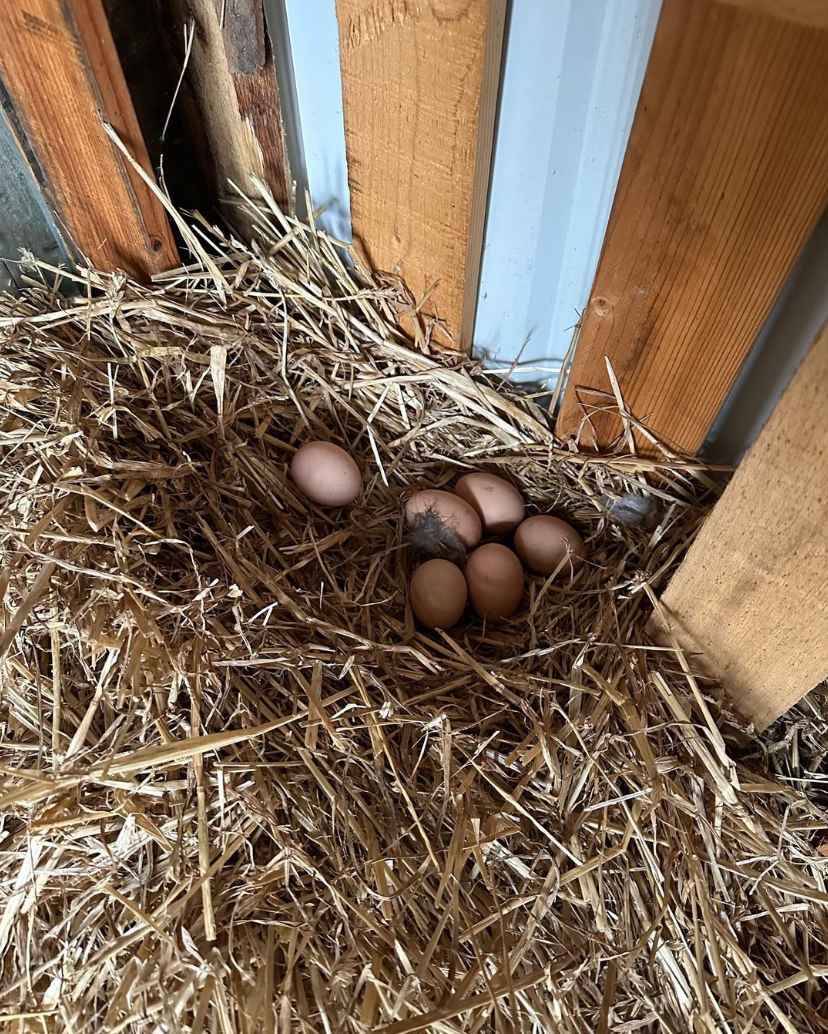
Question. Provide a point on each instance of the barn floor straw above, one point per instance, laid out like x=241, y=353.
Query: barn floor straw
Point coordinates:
x=242, y=792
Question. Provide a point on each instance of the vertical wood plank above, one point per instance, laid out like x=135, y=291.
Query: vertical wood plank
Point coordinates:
x=725, y=175
x=234, y=80
x=752, y=594
x=420, y=85
x=61, y=79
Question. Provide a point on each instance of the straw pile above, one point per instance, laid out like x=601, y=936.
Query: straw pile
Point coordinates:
x=242, y=792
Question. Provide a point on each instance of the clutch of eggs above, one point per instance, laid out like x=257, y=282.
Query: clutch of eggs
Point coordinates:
x=445, y=525
x=448, y=526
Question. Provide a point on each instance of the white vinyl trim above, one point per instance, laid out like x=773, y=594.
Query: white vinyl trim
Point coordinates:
x=572, y=76
x=313, y=34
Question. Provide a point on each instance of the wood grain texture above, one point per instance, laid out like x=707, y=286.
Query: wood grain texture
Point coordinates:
x=61, y=79
x=752, y=593
x=420, y=83
x=806, y=12
x=233, y=77
x=725, y=175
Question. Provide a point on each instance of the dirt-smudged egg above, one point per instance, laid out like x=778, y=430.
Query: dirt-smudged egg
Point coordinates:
x=546, y=544
x=442, y=524
x=498, y=502
x=495, y=578
x=326, y=474
x=438, y=594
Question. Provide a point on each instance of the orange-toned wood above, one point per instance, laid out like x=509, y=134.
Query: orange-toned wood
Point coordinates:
x=419, y=84
x=751, y=595
x=233, y=76
x=725, y=175
x=62, y=78
x=806, y=12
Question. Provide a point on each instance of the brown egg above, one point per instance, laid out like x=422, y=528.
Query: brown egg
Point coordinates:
x=495, y=579
x=453, y=512
x=438, y=594
x=326, y=474
x=544, y=542
x=498, y=502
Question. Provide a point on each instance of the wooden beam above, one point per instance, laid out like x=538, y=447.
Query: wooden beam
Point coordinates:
x=725, y=175
x=61, y=79
x=752, y=593
x=806, y=12
x=233, y=76
x=420, y=85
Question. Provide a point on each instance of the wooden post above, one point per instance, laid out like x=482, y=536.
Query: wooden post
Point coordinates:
x=752, y=593
x=420, y=84
x=725, y=175
x=61, y=80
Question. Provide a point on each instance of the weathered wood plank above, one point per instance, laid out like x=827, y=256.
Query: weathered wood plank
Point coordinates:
x=420, y=85
x=752, y=593
x=233, y=77
x=61, y=79
x=725, y=175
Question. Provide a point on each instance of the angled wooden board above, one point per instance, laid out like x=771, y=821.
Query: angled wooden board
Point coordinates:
x=61, y=80
x=725, y=175
x=420, y=84
x=750, y=599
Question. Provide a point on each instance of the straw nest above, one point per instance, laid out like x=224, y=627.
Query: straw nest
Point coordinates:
x=241, y=791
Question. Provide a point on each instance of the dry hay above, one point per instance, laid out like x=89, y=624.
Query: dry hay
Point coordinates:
x=242, y=792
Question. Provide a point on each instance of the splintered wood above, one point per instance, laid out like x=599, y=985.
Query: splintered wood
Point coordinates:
x=419, y=85
x=751, y=597
x=233, y=74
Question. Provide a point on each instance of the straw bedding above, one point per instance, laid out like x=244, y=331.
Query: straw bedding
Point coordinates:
x=241, y=791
